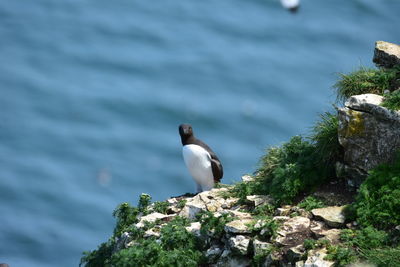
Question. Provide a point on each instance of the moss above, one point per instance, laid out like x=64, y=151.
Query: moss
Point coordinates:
x=356, y=124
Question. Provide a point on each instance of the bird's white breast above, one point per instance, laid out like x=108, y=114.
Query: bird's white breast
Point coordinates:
x=197, y=160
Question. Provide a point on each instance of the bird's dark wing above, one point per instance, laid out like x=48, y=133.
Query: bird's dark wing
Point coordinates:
x=216, y=165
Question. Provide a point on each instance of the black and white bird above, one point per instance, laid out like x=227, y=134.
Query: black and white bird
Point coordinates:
x=202, y=163
x=291, y=5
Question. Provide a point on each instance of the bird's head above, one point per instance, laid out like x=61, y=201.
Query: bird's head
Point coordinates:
x=185, y=131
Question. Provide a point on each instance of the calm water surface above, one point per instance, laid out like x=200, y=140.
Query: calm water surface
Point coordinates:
x=92, y=93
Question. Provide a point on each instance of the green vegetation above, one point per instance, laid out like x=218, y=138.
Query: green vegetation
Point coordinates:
x=378, y=201
x=178, y=247
x=161, y=207
x=365, y=80
x=392, y=100
x=210, y=223
x=310, y=203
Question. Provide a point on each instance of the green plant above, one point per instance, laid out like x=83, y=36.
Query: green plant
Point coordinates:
x=382, y=257
x=378, y=201
x=310, y=203
x=161, y=206
x=264, y=210
x=125, y=215
x=181, y=204
x=310, y=244
x=325, y=137
x=294, y=168
x=363, y=81
x=177, y=247
x=212, y=224
x=97, y=257
x=392, y=101
x=144, y=202
x=342, y=256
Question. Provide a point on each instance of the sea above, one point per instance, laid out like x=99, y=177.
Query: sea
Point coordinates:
x=92, y=93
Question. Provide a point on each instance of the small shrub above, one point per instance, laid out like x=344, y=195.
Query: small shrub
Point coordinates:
x=364, y=81
x=212, y=224
x=378, y=201
x=161, y=206
x=392, y=101
x=125, y=215
x=264, y=210
x=310, y=244
x=292, y=169
x=97, y=257
x=310, y=203
x=181, y=204
x=340, y=255
x=144, y=202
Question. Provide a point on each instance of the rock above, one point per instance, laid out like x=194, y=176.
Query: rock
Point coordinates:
x=239, y=244
x=291, y=231
x=192, y=207
x=299, y=264
x=332, y=235
x=213, y=253
x=317, y=227
x=240, y=215
x=386, y=54
x=284, y=211
x=294, y=254
x=122, y=242
x=194, y=228
x=153, y=232
x=281, y=218
x=152, y=218
x=316, y=259
x=229, y=202
x=238, y=226
x=229, y=260
x=273, y=259
x=369, y=135
x=247, y=178
x=332, y=216
x=261, y=248
x=257, y=200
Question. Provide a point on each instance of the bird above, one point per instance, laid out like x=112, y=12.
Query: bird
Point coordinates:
x=202, y=163
x=291, y=5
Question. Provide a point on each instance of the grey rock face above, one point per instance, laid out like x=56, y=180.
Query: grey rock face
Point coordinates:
x=369, y=134
x=290, y=227
x=238, y=226
x=386, y=54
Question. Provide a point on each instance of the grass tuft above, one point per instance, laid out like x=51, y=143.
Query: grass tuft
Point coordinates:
x=365, y=80
x=392, y=100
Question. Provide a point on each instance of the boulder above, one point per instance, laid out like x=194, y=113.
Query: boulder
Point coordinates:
x=239, y=244
x=152, y=218
x=213, y=253
x=257, y=200
x=291, y=231
x=238, y=226
x=229, y=260
x=261, y=248
x=386, y=54
x=294, y=254
x=192, y=207
x=369, y=134
x=316, y=259
x=194, y=228
x=332, y=216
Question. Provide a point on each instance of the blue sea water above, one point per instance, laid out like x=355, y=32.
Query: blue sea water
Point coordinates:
x=92, y=93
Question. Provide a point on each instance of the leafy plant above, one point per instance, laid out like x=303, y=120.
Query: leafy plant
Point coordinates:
x=342, y=256
x=378, y=201
x=310, y=203
x=212, y=224
x=161, y=206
